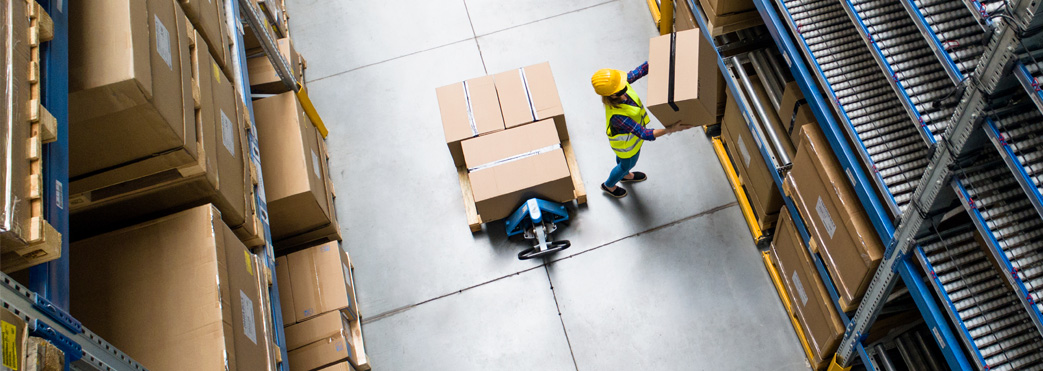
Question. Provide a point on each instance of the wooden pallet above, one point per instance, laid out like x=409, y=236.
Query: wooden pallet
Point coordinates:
x=32, y=239
x=475, y=221
x=358, y=343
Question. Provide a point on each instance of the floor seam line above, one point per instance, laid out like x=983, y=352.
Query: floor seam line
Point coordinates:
x=389, y=313
x=388, y=60
x=546, y=18
x=560, y=317
x=475, y=34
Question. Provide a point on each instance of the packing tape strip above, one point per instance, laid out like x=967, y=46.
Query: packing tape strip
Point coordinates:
x=528, y=94
x=793, y=117
x=516, y=157
x=673, y=63
x=470, y=113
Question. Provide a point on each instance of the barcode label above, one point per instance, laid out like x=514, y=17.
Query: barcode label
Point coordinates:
x=744, y=151
x=247, y=306
x=163, y=43
x=227, y=133
x=823, y=215
x=800, y=289
x=315, y=164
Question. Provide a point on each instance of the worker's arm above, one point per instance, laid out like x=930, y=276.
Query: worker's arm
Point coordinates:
x=623, y=124
x=637, y=73
x=673, y=129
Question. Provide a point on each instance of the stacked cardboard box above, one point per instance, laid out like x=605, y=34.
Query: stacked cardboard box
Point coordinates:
x=812, y=305
x=840, y=229
x=161, y=135
x=208, y=17
x=26, y=238
x=509, y=141
x=725, y=16
x=264, y=79
x=685, y=86
x=319, y=308
x=296, y=174
x=150, y=290
x=794, y=113
x=754, y=174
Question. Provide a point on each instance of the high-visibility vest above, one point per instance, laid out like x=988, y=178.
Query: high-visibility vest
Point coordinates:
x=626, y=145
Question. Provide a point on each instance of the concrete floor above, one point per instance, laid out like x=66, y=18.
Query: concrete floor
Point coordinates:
x=667, y=278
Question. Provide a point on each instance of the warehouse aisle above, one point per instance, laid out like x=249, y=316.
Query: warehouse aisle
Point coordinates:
x=667, y=278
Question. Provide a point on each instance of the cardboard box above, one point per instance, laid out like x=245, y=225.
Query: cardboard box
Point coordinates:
x=321, y=353
x=840, y=229
x=343, y=366
x=267, y=320
x=129, y=101
x=537, y=169
x=722, y=21
x=695, y=85
x=264, y=79
x=529, y=94
x=320, y=279
x=817, y=316
x=207, y=17
x=316, y=329
x=282, y=278
x=14, y=341
x=755, y=173
x=722, y=7
x=469, y=109
x=684, y=18
x=293, y=170
x=794, y=112
x=175, y=286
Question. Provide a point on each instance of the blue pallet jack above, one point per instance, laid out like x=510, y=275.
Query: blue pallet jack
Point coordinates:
x=535, y=220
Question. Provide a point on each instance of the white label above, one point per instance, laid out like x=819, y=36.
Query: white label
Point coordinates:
x=315, y=164
x=163, y=43
x=823, y=215
x=744, y=151
x=247, y=305
x=58, y=194
x=800, y=289
x=227, y=134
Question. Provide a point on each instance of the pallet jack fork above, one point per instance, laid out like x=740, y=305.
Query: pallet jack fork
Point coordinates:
x=535, y=220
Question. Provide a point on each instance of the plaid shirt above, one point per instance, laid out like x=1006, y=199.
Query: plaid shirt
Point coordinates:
x=623, y=124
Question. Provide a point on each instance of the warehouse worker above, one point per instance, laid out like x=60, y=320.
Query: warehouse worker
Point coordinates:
x=626, y=120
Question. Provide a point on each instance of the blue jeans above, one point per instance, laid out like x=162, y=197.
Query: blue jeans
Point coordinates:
x=623, y=167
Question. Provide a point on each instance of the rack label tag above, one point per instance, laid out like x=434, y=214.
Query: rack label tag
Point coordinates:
x=823, y=215
x=247, y=307
x=11, y=356
x=800, y=289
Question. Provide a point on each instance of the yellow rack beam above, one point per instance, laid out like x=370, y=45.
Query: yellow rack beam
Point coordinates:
x=733, y=180
x=309, y=109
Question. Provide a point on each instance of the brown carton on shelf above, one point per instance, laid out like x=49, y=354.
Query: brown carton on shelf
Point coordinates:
x=316, y=329
x=694, y=76
x=293, y=175
x=754, y=172
x=511, y=166
x=725, y=16
x=840, y=229
x=343, y=366
x=266, y=332
x=264, y=79
x=811, y=303
x=130, y=91
x=174, y=286
x=469, y=109
x=320, y=279
x=14, y=338
x=684, y=19
x=529, y=94
x=722, y=7
x=320, y=353
x=794, y=112
x=206, y=17
x=282, y=278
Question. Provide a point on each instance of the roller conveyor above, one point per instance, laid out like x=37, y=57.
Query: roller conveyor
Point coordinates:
x=870, y=109
x=1010, y=226
x=1030, y=74
x=991, y=321
x=1018, y=135
x=952, y=33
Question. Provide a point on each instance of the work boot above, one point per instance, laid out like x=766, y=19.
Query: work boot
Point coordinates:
x=638, y=177
x=618, y=193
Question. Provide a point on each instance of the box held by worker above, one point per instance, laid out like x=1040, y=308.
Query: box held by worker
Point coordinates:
x=469, y=109
x=755, y=173
x=840, y=229
x=794, y=112
x=320, y=281
x=511, y=166
x=134, y=287
x=293, y=173
x=529, y=94
x=682, y=79
x=812, y=305
x=131, y=101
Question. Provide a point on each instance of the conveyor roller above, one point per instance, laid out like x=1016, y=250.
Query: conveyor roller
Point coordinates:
x=994, y=324
x=864, y=95
x=955, y=29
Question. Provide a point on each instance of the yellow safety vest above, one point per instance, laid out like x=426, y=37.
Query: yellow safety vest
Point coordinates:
x=626, y=145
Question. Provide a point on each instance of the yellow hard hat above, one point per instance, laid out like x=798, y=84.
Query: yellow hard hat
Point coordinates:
x=607, y=81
